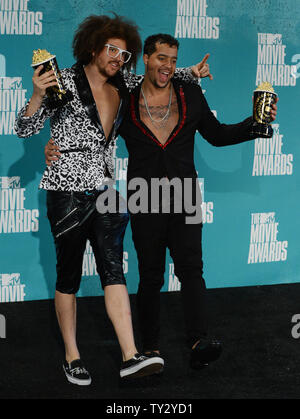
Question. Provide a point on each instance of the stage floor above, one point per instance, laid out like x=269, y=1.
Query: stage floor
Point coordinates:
x=261, y=358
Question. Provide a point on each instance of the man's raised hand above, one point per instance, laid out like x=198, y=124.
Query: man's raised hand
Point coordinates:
x=201, y=69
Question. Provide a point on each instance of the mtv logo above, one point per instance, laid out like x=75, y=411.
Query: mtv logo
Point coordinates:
x=274, y=38
x=270, y=218
x=12, y=83
x=10, y=182
x=9, y=279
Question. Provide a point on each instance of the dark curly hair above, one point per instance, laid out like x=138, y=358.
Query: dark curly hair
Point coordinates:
x=93, y=33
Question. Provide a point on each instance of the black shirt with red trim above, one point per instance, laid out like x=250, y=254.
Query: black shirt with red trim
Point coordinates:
x=148, y=158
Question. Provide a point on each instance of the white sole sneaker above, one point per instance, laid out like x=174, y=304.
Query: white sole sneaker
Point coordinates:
x=147, y=366
x=79, y=382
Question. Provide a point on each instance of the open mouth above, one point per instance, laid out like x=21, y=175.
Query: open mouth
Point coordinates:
x=115, y=65
x=163, y=75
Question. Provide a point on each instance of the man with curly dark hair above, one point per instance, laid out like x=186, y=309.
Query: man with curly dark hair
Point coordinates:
x=85, y=130
x=93, y=33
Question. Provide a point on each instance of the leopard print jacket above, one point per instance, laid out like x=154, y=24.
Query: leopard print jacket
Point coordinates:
x=87, y=156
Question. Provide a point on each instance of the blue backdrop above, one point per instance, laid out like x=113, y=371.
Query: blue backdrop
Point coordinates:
x=250, y=190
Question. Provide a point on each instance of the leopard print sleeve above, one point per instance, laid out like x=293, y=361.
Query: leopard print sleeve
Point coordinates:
x=185, y=74
x=132, y=80
x=26, y=126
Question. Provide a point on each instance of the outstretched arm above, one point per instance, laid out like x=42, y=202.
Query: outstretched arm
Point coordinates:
x=193, y=73
x=219, y=134
x=188, y=74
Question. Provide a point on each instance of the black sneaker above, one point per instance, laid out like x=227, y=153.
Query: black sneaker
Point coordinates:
x=204, y=353
x=141, y=365
x=76, y=373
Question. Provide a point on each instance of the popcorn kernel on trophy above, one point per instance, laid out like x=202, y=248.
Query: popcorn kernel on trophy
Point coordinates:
x=264, y=97
x=57, y=95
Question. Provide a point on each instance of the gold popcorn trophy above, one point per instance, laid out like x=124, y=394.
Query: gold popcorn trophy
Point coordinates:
x=264, y=97
x=57, y=95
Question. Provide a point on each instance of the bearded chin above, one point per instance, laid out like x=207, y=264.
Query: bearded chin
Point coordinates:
x=104, y=72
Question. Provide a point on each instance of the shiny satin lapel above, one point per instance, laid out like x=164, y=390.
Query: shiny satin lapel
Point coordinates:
x=86, y=96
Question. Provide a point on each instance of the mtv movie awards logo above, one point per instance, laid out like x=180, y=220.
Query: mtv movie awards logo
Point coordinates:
x=264, y=245
x=14, y=217
x=12, y=99
x=16, y=19
x=269, y=160
x=271, y=65
x=192, y=20
x=11, y=288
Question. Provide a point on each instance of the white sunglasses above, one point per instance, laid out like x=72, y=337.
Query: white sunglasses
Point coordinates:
x=113, y=52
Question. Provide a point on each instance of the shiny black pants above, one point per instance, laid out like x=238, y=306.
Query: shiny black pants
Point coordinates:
x=74, y=219
x=152, y=234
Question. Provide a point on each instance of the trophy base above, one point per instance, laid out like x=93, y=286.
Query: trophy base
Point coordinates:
x=54, y=101
x=262, y=130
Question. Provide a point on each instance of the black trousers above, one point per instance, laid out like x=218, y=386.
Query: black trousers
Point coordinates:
x=152, y=234
x=74, y=219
